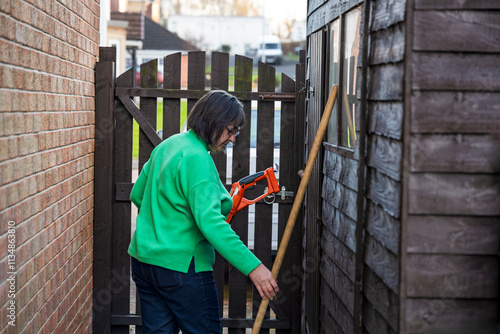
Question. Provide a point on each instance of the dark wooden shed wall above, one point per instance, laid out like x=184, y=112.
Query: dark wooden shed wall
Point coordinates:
x=453, y=162
x=431, y=209
x=382, y=211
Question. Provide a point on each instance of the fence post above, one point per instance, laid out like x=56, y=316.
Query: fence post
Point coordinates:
x=103, y=189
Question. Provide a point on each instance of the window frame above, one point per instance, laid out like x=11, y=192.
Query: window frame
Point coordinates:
x=338, y=147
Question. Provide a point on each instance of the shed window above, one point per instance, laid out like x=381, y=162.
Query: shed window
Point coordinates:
x=343, y=57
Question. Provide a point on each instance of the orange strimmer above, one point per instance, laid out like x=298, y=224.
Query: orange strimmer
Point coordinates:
x=248, y=182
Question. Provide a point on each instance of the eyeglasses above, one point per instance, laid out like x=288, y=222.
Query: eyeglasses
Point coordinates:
x=236, y=131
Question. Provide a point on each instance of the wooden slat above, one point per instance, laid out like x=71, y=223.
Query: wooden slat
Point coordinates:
x=313, y=5
x=335, y=307
x=385, y=156
x=148, y=108
x=340, y=197
x=452, y=276
x=382, y=226
x=385, y=118
x=382, y=262
x=240, y=168
x=312, y=231
x=473, y=31
x=452, y=112
x=453, y=235
x=381, y=298
x=341, y=169
x=342, y=256
x=384, y=191
x=220, y=79
x=388, y=45
x=455, y=71
x=196, y=74
x=220, y=74
x=339, y=283
x=373, y=322
x=391, y=75
x=320, y=15
x=340, y=225
x=103, y=193
x=453, y=4
x=122, y=209
x=454, y=194
x=451, y=316
x=265, y=143
x=289, y=179
x=387, y=13
x=144, y=125
x=455, y=153
x=220, y=71
x=328, y=324
x=171, y=107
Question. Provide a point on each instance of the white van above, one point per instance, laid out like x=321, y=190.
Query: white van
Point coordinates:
x=269, y=50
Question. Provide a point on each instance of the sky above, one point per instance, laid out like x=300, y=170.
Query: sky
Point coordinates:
x=278, y=11
x=283, y=9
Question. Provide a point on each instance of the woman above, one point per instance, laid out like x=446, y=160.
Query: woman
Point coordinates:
x=183, y=207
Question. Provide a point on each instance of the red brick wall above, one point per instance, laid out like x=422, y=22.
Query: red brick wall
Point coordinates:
x=48, y=51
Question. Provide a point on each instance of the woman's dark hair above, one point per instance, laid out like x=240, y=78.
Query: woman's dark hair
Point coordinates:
x=213, y=112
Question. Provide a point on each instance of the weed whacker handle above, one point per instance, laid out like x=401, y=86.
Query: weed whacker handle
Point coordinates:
x=238, y=190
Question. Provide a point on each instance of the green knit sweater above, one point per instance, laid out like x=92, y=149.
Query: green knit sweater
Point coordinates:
x=183, y=207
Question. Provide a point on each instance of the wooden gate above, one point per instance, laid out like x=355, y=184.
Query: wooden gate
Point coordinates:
x=119, y=157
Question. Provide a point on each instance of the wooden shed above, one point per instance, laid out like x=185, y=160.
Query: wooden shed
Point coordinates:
x=402, y=213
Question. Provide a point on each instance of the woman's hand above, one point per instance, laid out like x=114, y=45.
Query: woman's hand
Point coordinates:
x=264, y=282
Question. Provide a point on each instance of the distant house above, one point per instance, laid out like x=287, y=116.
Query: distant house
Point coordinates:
x=147, y=40
x=240, y=33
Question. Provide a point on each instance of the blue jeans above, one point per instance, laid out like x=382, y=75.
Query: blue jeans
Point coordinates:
x=171, y=300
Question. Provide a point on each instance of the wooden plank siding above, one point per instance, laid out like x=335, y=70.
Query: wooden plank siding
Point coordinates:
x=424, y=186
x=451, y=223
x=384, y=162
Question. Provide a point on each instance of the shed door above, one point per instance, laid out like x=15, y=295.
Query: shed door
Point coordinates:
x=312, y=258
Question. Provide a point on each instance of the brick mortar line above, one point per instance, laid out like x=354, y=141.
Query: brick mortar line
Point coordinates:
x=81, y=220
x=76, y=299
x=53, y=259
x=52, y=168
x=46, y=113
x=74, y=285
x=61, y=302
x=49, y=150
x=63, y=5
x=85, y=322
x=67, y=180
x=31, y=197
x=85, y=202
x=76, y=62
x=41, y=52
x=57, y=219
x=53, y=75
x=75, y=11
x=43, y=132
x=49, y=16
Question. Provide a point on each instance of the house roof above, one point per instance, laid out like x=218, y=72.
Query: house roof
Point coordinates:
x=158, y=37
x=153, y=35
x=135, y=29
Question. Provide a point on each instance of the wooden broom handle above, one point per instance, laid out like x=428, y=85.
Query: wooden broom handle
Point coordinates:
x=297, y=203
